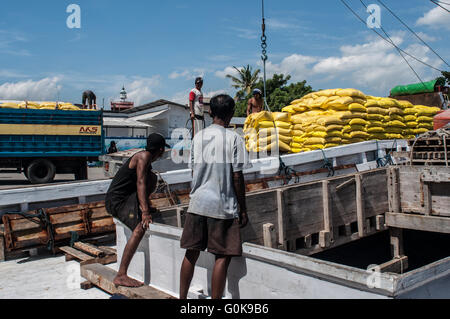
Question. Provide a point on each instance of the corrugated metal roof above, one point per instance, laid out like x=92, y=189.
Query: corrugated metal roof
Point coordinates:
x=121, y=122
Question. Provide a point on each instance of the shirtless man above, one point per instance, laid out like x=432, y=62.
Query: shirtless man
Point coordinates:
x=255, y=104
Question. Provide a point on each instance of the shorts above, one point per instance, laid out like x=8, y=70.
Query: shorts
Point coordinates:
x=127, y=211
x=220, y=236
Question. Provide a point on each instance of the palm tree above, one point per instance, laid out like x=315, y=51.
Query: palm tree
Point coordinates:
x=245, y=80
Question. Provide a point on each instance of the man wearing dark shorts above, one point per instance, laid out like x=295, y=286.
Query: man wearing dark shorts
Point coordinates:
x=217, y=207
x=127, y=199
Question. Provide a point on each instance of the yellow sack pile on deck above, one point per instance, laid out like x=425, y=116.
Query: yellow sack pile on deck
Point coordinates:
x=265, y=131
x=40, y=105
x=336, y=117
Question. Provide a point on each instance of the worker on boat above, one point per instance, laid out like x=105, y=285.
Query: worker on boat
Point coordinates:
x=217, y=208
x=256, y=103
x=196, y=107
x=128, y=199
x=90, y=97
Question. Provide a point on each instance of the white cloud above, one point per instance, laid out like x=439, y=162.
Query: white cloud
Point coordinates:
x=245, y=33
x=296, y=65
x=45, y=89
x=187, y=74
x=8, y=41
x=140, y=91
x=228, y=70
x=436, y=18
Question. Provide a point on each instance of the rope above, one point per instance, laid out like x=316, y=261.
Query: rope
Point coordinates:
x=328, y=165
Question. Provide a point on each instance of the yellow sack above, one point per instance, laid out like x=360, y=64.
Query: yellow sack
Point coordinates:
x=330, y=120
x=297, y=132
x=349, y=128
x=357, y=140
x=334, y=127
x=375, y=129
x=422, y=118
x=397, y=117
x=343, y=100
x=296, y=150
x=285, y=139
x=377, y=136
x=395, y=110
x=394, y=136
x=377, y=110
x=328, y=145
x=375, y=117
x=299, y=108
x=376, y=124
x=359, y=134
x=333, y=139
x=314, y=140
x=351, y=92
x=334, y=133
x=316, y=147
x=393, y=130
x=425, y=125
x=358, y=122
x=298, y=139
x=405, y=104
x=426, y=110
x=264, y=124
x=283, y=131
x=410, y=111
x=298, y=118
x=317, y=134
x=283, y=147
x=371, y=103
x=396, y=123
x=412, y=124
x=353, y=115
x=356, y=107
x=315, y=127
x=327, y=93
x=281, y=124
x=420, y=130
x=288, y=109
x=281, y=116
x=300, y=127
x=410, y=118
x=408, y=137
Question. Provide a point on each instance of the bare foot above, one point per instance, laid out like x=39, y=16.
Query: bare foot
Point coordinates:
x=124, y=280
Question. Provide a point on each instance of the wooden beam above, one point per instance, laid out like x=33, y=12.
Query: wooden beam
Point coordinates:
x=395, y=190
x=180, y=211
x=426, y=193
x=397, y=265
x=346, y=183
x=380, y=222
x=103, y=277
x=269, y=235
x=419, y=222
x=282, y=241
x=396, y=235
x=326, y=235
x=2, y=248
x=360, y=211
x=90, y=249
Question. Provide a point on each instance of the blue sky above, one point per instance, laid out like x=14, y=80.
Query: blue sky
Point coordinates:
x=157, y=48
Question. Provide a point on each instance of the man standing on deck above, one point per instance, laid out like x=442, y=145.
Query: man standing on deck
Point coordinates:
x=127, y=199
x=217, y=208
x=196, y=107
x=91, y=99
x=256, y=103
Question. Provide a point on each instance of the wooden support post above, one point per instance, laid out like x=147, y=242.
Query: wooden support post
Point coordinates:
x=269, y=235
x=326, y=235
x=379, y=222
x=360, y=213
x=180, y=211
x=2, y=248
x=396, y=242
x=395, y=199
x=427, y=203
x=282, y=242
x=307, y=241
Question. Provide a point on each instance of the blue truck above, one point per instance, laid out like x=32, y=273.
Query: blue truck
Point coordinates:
x=42, y=143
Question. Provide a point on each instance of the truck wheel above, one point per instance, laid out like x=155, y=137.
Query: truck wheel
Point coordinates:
x=40, y=171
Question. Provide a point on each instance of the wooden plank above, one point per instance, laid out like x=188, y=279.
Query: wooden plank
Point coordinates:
x=108, y=250
x=269, y=235
x=396, y=238
x=419, y=222
x=109, y=259
x=76, y=253
x=348, y=182
x=360, y=211
x=326, y=235
x=397, y=265
x=103, y=277
x=395, y=190
x=281, y=220
x=90, y=249
x=180, y=211
x=380, y=222
x=2, y=248
x=426, y=193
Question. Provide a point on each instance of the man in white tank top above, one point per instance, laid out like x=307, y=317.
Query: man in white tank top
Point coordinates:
x=196, y=107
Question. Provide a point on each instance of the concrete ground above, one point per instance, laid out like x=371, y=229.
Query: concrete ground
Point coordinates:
x=14, y=180
x=44, y=277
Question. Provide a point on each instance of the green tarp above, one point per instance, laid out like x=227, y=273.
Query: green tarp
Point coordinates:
x=416, y=88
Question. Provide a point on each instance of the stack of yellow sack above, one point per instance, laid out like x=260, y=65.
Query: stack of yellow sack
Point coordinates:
x=40, y=105
x=10, y=105
x=410, y=119
x=424, y=115
x=265, y=131
x=376, y=118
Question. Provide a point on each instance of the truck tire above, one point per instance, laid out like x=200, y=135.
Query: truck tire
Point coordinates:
x=40, y=171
